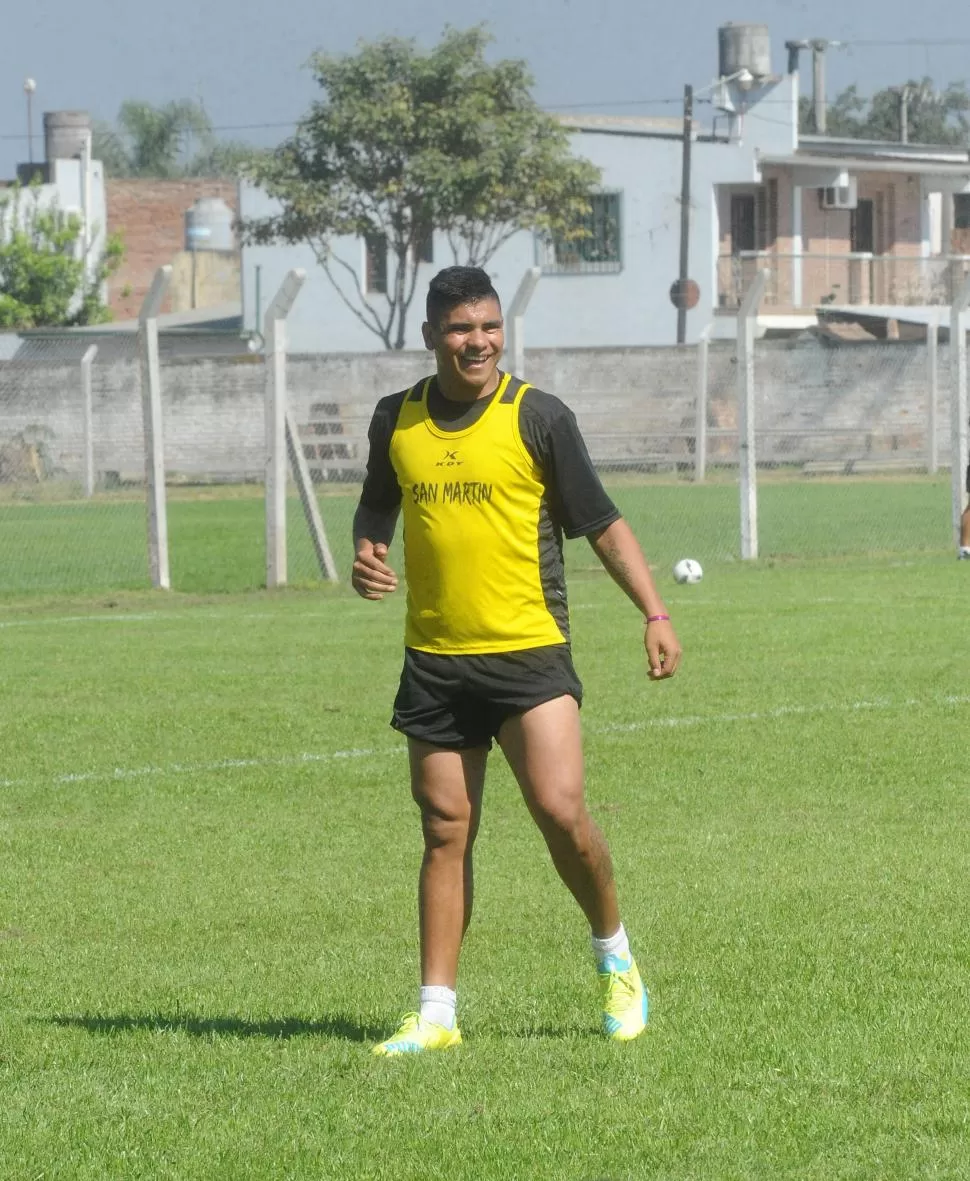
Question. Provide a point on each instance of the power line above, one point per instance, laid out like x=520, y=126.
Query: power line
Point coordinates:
x=918, y=44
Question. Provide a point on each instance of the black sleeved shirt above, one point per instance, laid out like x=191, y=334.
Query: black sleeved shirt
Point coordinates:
x=576, y=500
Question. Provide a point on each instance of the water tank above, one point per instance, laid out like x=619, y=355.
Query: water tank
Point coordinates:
x=209, y=225
x=744, y=47
x=65, y=134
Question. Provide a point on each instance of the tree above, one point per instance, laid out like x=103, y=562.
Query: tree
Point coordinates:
x=932, y=116
x=168, y=141
x=45, y=280
x=405, y=141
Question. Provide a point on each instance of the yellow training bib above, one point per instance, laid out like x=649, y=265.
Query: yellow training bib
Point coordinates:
x=471, y=503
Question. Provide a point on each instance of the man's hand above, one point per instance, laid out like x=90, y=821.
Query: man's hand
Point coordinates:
x=371, y=578
x=663, y=649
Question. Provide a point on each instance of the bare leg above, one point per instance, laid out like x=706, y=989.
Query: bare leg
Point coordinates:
x=544, y=749
x=447, y=787
x=965, y=527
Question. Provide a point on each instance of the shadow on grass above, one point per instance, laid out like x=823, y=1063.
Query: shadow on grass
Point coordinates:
x=335, y=1027
x=338, y=1027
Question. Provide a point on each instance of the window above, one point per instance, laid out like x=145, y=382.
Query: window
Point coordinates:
x=961, y=211
x=375, y=264
x=862, y=227
x=599, y=252
x=754, y=219
x=744, y=222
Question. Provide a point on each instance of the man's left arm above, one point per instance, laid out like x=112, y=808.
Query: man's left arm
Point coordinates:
x=623, y=559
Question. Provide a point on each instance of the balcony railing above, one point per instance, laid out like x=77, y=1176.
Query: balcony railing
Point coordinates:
x=807, y=281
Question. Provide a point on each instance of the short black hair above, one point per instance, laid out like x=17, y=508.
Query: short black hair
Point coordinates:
x=457, y=285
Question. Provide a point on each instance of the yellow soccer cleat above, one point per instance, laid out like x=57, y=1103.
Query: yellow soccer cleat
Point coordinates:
x=624, y=998
x=415, y=1036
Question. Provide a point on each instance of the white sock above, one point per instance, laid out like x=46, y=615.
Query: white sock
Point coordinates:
x=965, y=551
x=616, y=944
x=438, y=1005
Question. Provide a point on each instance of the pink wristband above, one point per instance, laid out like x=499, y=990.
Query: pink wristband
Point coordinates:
x=658, y=619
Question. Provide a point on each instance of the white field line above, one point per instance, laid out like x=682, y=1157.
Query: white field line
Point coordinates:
x=191, y=614
x=783, y=711
x=123, y=774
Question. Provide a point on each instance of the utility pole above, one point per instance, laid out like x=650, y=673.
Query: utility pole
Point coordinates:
x=685, y=214
x=29, y=87
x=818, y=86
x=905, y=93
x=818, y=46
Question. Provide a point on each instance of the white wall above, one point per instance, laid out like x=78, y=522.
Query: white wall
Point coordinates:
x=630, y=308
x=66, y=190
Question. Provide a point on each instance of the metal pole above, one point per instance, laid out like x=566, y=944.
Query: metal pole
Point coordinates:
x=700, y=425
x=818, y=86
x=958, y=401
x=515, y=320
x=747, y=318
x=29, y=90
x=87, y=362
x=151, y=400
x=683, y=273
x=932, y=418
x=275, y=335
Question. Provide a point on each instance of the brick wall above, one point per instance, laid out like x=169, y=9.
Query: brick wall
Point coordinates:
x=150, y=216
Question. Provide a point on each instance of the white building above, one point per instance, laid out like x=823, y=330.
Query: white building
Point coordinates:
x=838, y=224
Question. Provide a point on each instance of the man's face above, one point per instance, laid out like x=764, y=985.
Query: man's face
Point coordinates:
x=467, y=343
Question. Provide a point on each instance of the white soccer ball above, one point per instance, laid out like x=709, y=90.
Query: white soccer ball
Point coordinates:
x=687, y=570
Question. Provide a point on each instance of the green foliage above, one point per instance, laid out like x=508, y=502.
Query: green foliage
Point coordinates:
x=933, y=117
x=406, y=140
x=45, y=279
x=169, y=141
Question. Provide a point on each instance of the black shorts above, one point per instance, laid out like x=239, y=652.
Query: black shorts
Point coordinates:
x=461, y=701
x=968, y=479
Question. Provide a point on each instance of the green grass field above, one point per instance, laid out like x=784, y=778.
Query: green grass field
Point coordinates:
x=216, y=535
x=209, y=852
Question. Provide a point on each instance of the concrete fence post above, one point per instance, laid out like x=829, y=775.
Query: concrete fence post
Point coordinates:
x=274, y=333
x=87, y=361
x=700, y=420
x=958, y=402
x=515, y=321
x=151, y=401
x=747, y=458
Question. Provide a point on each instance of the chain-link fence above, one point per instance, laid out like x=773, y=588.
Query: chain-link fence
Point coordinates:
x=851, y=441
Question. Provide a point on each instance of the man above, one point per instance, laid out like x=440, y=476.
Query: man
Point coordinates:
x=490, y=473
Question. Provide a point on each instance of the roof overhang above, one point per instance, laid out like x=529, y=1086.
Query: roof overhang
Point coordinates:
x=814, y=167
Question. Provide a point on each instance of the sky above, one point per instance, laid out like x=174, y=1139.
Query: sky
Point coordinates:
x=246, y=61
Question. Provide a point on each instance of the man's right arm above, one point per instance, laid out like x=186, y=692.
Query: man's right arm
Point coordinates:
x=371, y=577
x=377, y=512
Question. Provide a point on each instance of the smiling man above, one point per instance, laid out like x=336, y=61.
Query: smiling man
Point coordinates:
x=490, y=474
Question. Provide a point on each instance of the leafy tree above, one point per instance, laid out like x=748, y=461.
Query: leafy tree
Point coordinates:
x=168, y=141
x=45, y=281
x=933, y=117
x=406, y=140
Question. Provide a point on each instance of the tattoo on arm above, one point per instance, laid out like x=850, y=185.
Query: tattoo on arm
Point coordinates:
x=616, y=565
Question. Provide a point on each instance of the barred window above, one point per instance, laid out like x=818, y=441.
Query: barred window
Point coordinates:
x=598, y=252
